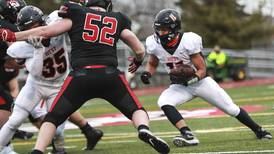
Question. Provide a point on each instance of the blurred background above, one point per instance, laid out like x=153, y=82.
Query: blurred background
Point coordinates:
x=243, y=29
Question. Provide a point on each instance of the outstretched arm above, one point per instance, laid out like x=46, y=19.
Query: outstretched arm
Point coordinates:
x=152, y=64
x=54, y=29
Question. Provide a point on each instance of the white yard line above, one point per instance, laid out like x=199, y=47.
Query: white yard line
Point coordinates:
x=232, y=152
x=109, y=137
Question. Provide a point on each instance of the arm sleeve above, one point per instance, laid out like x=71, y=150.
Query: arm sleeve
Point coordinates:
x=150, y=45
x=35, y=64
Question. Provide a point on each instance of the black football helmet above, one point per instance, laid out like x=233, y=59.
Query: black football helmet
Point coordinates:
x=167, y=19
x=10, y=8
x=106, y=4
x=28, y=16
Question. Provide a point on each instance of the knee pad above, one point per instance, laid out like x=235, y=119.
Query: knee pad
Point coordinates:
x=172, y=114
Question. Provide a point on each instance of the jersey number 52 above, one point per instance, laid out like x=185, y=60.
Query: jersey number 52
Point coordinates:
x=104, y=34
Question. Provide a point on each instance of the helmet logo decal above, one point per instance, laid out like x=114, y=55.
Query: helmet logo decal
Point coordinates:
x=13, y=3
x=172, y=17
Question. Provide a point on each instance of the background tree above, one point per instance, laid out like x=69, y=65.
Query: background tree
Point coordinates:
x=225, y=23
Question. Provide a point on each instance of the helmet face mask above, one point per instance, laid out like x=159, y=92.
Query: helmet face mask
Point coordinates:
x=167, y=25
x=10, y=8
x=30, y=17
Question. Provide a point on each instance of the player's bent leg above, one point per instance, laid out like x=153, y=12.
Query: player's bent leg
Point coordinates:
x=245, y=119
x=92, y=135
x=58, y=141
x=140, y=120
x=186, y=138
x=15, y=120
x=46, y=133
x=219, y=98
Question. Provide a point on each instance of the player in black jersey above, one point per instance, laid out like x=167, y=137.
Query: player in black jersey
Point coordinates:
x=94, y=31
x=8, y=14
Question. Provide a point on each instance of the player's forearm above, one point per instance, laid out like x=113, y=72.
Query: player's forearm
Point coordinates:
x=39, y=31
x=201, y=73
x=151, y=69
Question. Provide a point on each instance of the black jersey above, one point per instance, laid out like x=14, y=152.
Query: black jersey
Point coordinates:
x=5, y=75
x=94, y=35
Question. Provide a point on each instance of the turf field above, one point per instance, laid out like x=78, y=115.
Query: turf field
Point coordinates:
x=221, y=134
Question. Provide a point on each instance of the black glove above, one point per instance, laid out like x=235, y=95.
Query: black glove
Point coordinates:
x=145, y=76
x=134, y=65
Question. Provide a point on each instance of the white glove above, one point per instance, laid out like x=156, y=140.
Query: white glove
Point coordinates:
x=36, y=41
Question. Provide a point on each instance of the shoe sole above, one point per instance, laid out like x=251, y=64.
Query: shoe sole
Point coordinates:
x=180, y=142
x=158, y=144
x=269, y=137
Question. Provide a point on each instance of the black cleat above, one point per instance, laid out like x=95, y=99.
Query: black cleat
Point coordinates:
x=23, y=135
x=186, y=139
x=92, y=138
x=158, y=144
x=263, y=134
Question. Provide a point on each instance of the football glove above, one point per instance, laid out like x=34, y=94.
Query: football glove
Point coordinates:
x=134, y=65
x=7, y=35
x=35, y=41
x=145, y=76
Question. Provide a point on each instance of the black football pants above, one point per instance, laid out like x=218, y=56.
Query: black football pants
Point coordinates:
x=84, y=84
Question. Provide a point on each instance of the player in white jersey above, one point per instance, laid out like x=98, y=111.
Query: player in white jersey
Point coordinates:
x=47, y=67
x=181, y=55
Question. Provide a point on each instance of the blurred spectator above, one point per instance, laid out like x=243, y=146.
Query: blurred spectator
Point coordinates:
x=217, y=57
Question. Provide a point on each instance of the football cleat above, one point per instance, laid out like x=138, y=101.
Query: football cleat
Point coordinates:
x=187, y=139
x=23, y=135
x=92, y=138
x=7, y=150
x=158, y=144
x=263, y=134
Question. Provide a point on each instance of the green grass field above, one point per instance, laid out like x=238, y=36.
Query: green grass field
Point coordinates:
x=220, y=134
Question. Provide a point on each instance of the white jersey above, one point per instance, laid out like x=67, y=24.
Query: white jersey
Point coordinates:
x=191, y=43
x=47, y=67
x=176, y=94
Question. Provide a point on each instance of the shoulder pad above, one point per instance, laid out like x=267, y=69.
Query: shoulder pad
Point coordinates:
x=52, y=17
x=151, y=44
x=192, y=41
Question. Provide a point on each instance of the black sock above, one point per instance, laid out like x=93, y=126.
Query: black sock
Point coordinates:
x=87, y=128
x=184, y=129
x=245, y=119
x=142, y=127
x=36, y=152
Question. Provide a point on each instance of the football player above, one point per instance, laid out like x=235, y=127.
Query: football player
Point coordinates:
x=47, y=67
x=181, y=55
x=94, y=31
